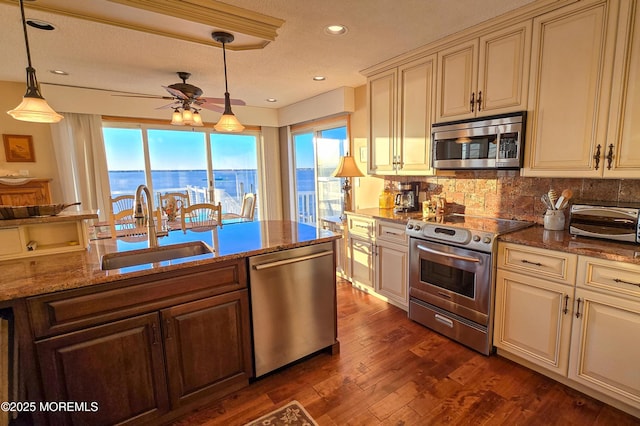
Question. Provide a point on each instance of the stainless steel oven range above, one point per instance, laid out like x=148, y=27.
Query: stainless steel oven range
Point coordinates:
x=451, y=275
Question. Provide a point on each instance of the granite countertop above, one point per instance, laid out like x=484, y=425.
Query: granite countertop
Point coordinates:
x=50, y=273
x=61, y=217
x=537, y=236
x=388, y=214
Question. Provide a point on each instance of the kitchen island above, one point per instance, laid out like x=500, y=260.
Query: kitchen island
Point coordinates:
x=150, y=342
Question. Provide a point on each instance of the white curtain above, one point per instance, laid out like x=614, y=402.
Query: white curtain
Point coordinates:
x=82, y=163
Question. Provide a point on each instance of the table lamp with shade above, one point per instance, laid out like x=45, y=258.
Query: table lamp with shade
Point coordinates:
x=347, y=168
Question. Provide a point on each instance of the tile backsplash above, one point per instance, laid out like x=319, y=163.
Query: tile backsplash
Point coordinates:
x=506, y=194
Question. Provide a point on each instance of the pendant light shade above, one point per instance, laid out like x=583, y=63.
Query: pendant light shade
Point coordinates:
x=33, y=107
x=228, y=123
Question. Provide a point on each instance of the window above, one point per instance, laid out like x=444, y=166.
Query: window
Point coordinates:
x=317, y=153
x=210, y=166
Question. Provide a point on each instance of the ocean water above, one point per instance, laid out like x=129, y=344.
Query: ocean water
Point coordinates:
x=233, y=182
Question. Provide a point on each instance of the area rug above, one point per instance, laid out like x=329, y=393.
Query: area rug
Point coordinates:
x=292, y=414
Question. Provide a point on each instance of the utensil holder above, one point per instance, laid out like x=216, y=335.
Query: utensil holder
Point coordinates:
x=554, y=220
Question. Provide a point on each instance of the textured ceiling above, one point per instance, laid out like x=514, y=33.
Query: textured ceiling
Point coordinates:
x=103, y=56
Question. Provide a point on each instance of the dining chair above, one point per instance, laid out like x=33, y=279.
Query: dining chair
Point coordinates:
x=201, y=217
x=247, y=211
x=172, y=203
x=121, y=220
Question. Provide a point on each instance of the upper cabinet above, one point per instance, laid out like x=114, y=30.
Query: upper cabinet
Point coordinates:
x=401, y=106
x=486, y=75
x=584, y=88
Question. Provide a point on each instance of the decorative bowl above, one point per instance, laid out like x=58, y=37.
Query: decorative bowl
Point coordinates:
x=21, y=212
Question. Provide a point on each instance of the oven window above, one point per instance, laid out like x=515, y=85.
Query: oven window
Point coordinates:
x=467, y=148
x=447, y=277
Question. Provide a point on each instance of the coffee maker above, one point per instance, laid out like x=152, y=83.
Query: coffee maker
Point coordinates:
x=406, y=199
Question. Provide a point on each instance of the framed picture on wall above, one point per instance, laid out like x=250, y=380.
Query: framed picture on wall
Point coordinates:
x=19, y=148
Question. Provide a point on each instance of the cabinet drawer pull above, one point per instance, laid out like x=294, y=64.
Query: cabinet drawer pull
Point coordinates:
x=618, y=280
x=479, y=101
x=472, y=101
x=596, y=157
x=610, y=157
x=566, y=304
x=531, y=263
x=154, y=334
x=578, y=307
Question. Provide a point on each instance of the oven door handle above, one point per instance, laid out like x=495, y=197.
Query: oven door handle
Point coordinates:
x=453, y=256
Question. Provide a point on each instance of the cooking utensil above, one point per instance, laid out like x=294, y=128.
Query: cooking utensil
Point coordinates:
x=546, y=201
x=564, y=199
x=553, y=196
x=21, y=212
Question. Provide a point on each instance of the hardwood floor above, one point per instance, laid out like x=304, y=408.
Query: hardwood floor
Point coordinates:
x=392, y=371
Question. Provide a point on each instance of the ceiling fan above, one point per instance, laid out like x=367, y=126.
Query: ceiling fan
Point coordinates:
x=185, y=95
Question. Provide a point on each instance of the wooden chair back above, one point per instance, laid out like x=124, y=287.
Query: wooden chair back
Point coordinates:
x=177, y=200
x=121, y=214
x=201, y=217
x=248, y=206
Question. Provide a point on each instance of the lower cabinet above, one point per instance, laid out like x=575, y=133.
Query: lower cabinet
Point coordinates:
x=148, y=349
x=577, y=319
x=378, y=253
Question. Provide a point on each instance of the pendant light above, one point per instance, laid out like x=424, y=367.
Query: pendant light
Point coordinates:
x=228, y=123
x=33, y=106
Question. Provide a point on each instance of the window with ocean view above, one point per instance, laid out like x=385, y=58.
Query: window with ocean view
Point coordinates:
x=317, y=153
x=211, y=167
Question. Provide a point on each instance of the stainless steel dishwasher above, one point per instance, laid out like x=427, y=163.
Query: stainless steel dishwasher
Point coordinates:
x=293, y=304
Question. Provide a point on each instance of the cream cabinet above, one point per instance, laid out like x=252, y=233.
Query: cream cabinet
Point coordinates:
x=621, y=155
x=605, y=341
x=379, y=258
x=534, y=289
x=572, y=62
x=575, y=316
x=401, y=107
x=486, y=75
x=336, y=225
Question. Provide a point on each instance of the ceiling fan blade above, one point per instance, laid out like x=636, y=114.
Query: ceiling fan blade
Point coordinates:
x=178, y=94
x=145, y=96
x=212, y=107
x=172, y=105
x=221, y=101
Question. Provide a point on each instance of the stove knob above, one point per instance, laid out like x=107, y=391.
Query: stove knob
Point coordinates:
x=409, y=226
x=476, y=238
x=486, y=240
x=417, y=228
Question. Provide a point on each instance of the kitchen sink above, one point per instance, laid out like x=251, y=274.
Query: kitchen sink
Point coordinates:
x=153, y=255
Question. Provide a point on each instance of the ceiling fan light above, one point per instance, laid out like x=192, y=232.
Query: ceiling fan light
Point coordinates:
x=197, y=119
x=228, y=123
x=35, y=110
x=187, y=117
x=176, y=118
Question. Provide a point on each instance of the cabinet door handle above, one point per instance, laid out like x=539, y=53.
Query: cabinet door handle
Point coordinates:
x=479, y=101
x=578, y=307
x=596, y=157
x=168, y=323
x=472, y=101
x=618, y=280
x=610, y=157
x=154, y=333
x=531, y=263
x=566, y=304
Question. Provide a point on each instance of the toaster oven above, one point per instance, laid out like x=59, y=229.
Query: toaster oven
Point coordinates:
x=617, y=222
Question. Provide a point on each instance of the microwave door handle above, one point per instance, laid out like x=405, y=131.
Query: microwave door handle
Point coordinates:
x=453, y=256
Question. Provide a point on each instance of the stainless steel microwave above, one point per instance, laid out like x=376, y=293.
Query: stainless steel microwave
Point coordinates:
x=494, y=142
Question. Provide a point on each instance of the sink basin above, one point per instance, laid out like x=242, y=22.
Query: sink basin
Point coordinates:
x=152, y=255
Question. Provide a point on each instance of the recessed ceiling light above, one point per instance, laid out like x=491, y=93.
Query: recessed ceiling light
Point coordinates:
x=272, y=100
x=319, y=78
x=40, y=25
x=58, y=72
x=335, y=29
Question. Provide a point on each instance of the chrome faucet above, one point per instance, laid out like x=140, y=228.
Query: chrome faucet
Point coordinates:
x=139, y=214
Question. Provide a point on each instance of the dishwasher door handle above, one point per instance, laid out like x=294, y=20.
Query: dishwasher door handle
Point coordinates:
x=289, y=261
